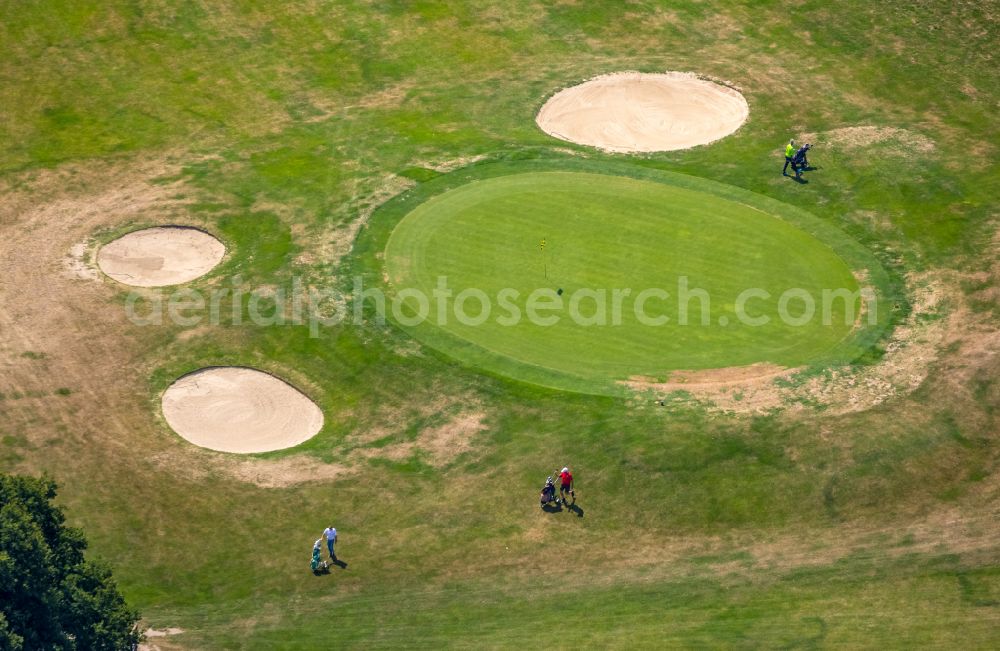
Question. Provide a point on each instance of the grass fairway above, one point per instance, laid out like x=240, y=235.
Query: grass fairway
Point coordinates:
x=859, y=513
x=607, y=241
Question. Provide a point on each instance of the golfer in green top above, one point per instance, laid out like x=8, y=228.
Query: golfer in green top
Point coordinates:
x=789, y=153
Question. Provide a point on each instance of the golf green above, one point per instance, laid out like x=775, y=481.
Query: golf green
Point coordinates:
x=581, y=281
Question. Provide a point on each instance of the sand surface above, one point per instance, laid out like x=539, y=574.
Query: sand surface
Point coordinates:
x=156, y=257
x=235, y=409
x=641, y=112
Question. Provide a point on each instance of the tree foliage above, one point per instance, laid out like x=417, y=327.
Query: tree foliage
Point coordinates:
x=51, y=597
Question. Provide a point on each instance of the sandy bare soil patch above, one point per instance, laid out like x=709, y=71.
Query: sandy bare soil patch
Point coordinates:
x=641, y=112
x=234, y=409
x=712, y=377
x=152, y=633
x=156, y=257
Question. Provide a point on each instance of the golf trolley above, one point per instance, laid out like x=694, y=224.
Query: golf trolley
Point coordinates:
x=548, y=495
x=318, y=565
x=803, y=165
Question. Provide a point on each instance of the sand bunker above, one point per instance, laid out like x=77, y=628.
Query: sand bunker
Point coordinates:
x=637, y=112
x=156, y=257
x=234, y=409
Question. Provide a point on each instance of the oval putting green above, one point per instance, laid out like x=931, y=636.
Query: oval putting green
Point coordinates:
x=583, y=281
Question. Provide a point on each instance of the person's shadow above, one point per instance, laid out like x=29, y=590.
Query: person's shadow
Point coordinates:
x=553, y=507
x=799, y=180
x=325, y=567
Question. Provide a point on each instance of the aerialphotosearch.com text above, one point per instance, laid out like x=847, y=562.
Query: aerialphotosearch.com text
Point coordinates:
x=318, y=307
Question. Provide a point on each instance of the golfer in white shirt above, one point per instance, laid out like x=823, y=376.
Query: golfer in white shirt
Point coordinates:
x=331, y=537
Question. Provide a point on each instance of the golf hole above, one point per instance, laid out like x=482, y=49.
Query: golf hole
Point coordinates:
x=237, y=409
x=161, y=256
x=641, y=112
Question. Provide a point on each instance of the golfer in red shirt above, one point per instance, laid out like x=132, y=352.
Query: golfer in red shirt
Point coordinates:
x=566, y=485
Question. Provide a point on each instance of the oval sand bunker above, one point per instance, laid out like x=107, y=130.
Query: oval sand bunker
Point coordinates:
x=234, y=409
x=640, y=112
x=155, y=257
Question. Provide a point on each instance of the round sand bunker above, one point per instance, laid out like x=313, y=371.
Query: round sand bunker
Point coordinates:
x=235, y=409
x=155, y=257
x=639, y=112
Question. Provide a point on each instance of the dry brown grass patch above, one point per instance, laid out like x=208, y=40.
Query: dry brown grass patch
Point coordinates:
x=52, y=297
x=875, y=221
x=438, y=445
x=710, y=377
x=334, y=244
x=891, y=140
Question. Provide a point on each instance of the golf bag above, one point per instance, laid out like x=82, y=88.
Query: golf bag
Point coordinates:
x=549, y=495
x=318, y=565
x=800, y=163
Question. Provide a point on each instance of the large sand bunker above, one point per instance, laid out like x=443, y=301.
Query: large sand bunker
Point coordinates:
x=155, y=257
x=235, y=409
x=636, y=112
